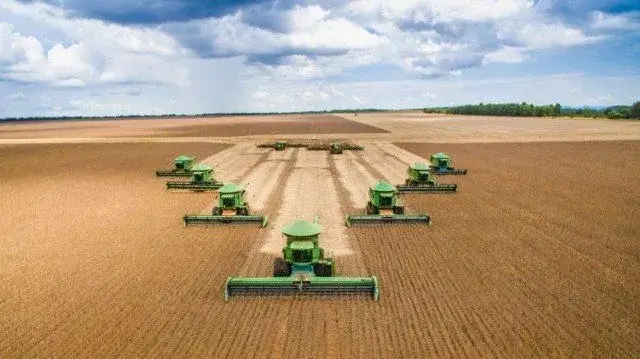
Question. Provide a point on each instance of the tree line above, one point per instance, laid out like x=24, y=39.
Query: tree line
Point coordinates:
x=530, y=110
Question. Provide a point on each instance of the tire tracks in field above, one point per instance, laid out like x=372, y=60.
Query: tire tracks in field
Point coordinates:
x=310, y=191
x=400, y=154
x=355, y=263
x=383, y=164
x=354, y=178
x=257, y=262
x=235, y=164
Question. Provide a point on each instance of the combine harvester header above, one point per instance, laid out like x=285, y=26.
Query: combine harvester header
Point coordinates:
x=302, y=270
x=334, y=148
x=201, y=180
x=441, y=165
x=384, y=206
x=421, y=180
x=181, y=167
x=232, y=208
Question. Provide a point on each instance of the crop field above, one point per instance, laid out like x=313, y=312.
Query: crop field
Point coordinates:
x=536, y=255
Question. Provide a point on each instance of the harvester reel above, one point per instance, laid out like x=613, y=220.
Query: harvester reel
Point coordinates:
x=303, y=270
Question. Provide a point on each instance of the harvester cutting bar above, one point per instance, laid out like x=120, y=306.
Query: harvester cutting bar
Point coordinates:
x=198, y=186
x=165, y=173
x=440, y=188
x=449, y=171
x=373, y=219
x=297, y=285
x=196, y=219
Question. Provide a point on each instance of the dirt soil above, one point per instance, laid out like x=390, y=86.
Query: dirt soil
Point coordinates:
x=319, y=124
x=537, y=255
x=189, y=127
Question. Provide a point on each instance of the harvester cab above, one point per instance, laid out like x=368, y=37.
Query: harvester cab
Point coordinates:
x=384, y=200
x=181, y=167
x=201, y=173
x=384, y=206
x=183, y=162
x=421, y=179
x=280, y=145
x=303, y=269
x=302, y=255
x=232, y=208
x=335, y=148
x=201, y=180
x=441, y=165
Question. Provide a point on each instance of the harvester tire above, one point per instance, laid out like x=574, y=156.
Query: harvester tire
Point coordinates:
x=398, y=210
x=323, y=270
x=371, y=209
x=215, y=211
x=281, y=268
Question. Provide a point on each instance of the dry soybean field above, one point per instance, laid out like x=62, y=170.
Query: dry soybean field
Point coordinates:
x=536, y=255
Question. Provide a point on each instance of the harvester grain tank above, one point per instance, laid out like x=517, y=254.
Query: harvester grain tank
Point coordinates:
x=421, y=180
x=303, y=269
x=202, y=179
x=384, y=206
x=280, y=145
x=232, y=208
x=441, y=165
x=181, y=167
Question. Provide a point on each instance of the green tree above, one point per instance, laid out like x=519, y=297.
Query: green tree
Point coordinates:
x=635, y=110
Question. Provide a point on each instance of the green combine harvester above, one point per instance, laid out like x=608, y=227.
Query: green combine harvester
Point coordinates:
x=281, y=145
x=181, y=167
x=441, y=165
x=303, y=269
x=335, y=149
x=232, y=208
x=421, y=180
x=201, y=180
x=384, y=206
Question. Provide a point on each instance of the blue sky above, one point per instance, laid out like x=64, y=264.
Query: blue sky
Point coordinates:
x=75, y=57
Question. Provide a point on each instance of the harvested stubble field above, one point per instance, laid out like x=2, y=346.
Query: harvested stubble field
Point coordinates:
x=537, y=255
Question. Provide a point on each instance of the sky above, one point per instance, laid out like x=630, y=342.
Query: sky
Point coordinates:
x=94, y=58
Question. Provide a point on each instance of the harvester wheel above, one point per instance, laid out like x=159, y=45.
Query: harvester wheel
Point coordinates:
x=215, y=211
x=371, y=209
x=281, y=268
x=398, y=210
x=323, y=270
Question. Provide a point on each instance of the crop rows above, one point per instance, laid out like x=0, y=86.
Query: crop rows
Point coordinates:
x=526, y=260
